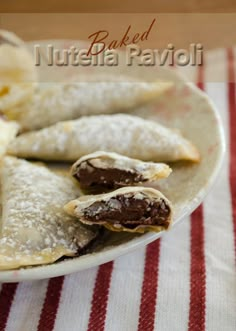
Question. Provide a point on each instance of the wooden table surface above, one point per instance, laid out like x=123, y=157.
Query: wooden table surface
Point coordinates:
x=131, y=6
x=210, y=22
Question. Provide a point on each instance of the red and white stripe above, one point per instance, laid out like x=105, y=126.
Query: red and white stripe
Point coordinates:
x=100, y=298
x=149, y=288
x=232, y=123
x=6, y=297
x=197, y=304
x=126, y=285
x=51, y=303
x=219, y=238
x=173, y=280
x=24, y=302
x=185, y=281
x=77, y=288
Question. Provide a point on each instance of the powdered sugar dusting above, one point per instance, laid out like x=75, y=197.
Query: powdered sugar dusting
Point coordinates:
x=34, y=225
x=60, y=102
x=121, y=133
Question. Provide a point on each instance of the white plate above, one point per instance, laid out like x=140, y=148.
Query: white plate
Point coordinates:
x=185, y=108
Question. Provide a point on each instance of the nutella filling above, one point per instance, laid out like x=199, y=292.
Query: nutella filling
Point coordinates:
x=91, y=177
x=129, y=211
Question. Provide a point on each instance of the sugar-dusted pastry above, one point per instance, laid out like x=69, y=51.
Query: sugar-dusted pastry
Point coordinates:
x=101, y=171
x=128, y=135
x=71, y=100
x=35, y=228
x=132, y=209
x=17, y=71
x=8, y=131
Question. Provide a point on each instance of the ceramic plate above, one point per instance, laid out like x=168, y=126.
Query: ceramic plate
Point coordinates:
x=184, y=107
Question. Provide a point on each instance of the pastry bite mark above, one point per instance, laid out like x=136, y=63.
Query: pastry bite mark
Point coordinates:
x=131, y=209
x=127, y=135
x=103, y=171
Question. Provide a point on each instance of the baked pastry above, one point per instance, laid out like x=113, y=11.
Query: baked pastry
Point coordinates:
x=71, y=100
x=17, y=71
x=35, y=228
x=8, y=131
x=128, y=135
x=132, y=209
x=102, y=171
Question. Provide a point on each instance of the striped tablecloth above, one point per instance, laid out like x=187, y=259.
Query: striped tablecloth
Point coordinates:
x=185, y=281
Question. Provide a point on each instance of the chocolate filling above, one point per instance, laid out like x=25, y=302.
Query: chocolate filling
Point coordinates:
x=6, y=41
x=129, y=211
x=91, y=177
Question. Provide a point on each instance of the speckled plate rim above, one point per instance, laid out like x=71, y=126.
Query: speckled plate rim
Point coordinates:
x=94, y=259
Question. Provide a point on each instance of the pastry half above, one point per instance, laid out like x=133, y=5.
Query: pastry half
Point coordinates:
x=131, y=209
x=71, y=100
x=102, y=171
x=125, y=134
x=35, y=229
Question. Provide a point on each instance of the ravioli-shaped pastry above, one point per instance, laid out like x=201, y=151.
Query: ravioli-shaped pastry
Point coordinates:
x=102, y=171
x=125, y=134
x=35, y=228
x=131, y=209
x=71, y=100
x=17, y=71
x=8, y=131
